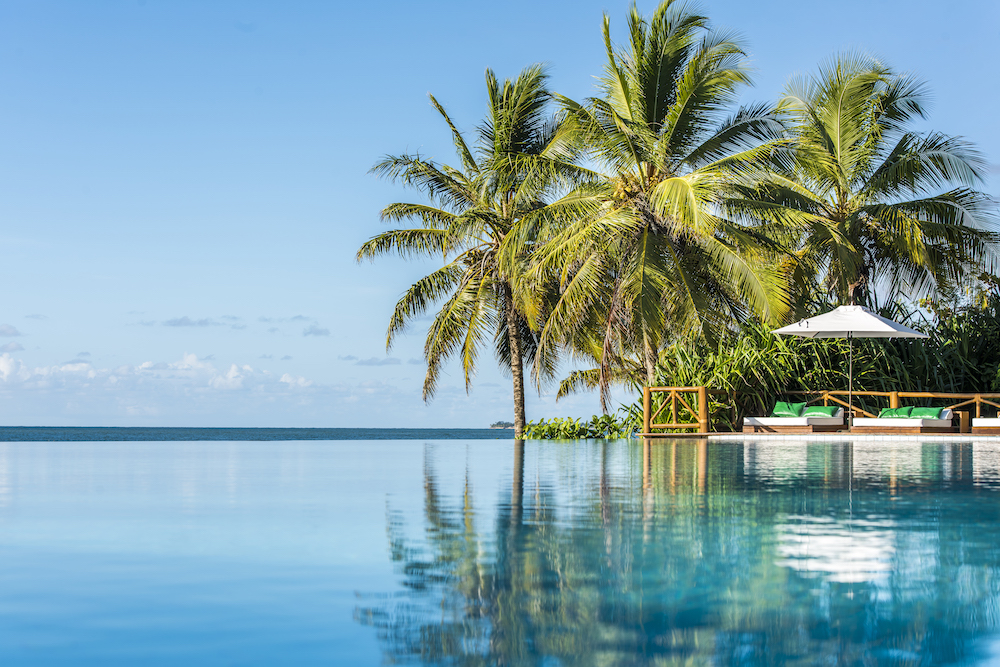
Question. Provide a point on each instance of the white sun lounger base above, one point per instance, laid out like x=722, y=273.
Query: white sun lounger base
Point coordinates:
x=794, y=424
x=904, y=425
x=986, y=425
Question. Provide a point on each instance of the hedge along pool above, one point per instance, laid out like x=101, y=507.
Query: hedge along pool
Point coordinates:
x=730, y=551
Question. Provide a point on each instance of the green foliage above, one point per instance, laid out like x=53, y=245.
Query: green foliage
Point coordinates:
x=611, y=427
x=506, y=177
x=871, y=202
x=650, y=250
x=512, y=173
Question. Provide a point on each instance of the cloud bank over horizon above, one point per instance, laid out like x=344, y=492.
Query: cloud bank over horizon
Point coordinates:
x=164, y=391
x=199, y=391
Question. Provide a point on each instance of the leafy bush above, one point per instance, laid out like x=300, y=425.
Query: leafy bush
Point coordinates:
x=611, y=427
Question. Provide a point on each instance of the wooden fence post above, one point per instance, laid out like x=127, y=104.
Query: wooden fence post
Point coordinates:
x=893, y=399
x=646, y=410
x=703, y=410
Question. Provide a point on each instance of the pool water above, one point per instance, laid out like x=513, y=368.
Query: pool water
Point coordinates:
x=475, y=552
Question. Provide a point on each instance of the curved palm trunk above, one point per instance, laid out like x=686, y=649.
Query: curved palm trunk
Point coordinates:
x=648, y=359
x=516, y=365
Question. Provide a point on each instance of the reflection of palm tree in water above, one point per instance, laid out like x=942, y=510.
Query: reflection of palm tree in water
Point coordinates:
x=640, y=576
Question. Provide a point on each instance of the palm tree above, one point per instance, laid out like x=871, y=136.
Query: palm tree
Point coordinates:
x=519, y=160
x=657, y=256
x=876, y=203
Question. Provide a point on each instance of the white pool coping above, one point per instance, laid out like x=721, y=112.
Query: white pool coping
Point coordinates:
x=849, y=437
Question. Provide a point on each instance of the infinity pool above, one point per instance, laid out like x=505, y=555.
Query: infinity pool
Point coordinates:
x=493, y=552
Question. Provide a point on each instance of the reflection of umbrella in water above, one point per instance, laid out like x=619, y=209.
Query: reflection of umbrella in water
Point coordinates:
x=835, y=550
x=849, y=322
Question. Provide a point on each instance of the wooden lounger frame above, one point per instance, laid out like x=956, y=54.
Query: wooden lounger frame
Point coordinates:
x=799, y=428
x=903, y=430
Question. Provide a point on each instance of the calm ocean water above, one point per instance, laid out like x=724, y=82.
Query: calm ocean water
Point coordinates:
x=100, y=433
x=478, y=552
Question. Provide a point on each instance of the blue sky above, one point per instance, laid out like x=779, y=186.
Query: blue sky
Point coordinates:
x=183, y=186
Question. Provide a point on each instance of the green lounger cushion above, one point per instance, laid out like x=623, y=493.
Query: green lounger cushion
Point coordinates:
x=821, y=411
x=926, y=413
x=896, y=412
x=783, y=409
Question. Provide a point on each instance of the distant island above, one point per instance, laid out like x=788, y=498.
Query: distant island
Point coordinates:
x=502, y=425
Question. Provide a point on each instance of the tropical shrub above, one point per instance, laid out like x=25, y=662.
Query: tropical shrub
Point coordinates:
x=611, y=427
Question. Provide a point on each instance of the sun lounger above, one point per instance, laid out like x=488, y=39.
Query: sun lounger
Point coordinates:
x=800, y=424
x=890, y=424
x=986, y=425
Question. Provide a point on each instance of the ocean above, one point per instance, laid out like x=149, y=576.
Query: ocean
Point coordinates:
x=173, y=434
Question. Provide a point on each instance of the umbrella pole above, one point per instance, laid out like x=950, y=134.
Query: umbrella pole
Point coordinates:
x=850, y=381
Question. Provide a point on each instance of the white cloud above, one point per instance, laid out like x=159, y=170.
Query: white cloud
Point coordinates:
x=8, y=330
x=189, y=372
x=295, y=380
x=11, y=370
x=12, y=346
x=233, y=379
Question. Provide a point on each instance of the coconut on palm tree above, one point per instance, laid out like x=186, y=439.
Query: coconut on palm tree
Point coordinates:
x=508, y=176
x=657, y=255
x=874, y=202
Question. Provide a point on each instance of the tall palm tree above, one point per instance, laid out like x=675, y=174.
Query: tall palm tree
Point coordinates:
x=875, y=202
x=509, y=176
x=657, y=255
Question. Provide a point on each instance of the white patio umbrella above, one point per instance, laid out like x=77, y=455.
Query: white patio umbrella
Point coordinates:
x=849, y=322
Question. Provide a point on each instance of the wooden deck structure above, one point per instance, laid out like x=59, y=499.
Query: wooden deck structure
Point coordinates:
x=693, y=404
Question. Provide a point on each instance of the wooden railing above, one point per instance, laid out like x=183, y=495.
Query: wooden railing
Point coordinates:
x=675, y=399
x=977, y=399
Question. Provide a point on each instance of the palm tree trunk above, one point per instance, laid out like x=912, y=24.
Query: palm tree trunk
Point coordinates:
x=516, y=366
x=648, y=359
